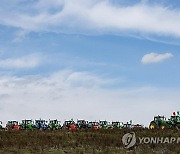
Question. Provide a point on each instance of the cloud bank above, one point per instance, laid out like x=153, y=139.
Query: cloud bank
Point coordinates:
x=28, y=61
x=70, y=94
x=92, y=16
x=155, y=57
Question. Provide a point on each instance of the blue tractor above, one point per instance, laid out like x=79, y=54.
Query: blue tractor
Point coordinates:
x=41, y=124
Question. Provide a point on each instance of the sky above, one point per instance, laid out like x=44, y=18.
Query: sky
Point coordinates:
x=115, y=60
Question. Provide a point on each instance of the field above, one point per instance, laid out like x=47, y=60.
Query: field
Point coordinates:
x=83, y=141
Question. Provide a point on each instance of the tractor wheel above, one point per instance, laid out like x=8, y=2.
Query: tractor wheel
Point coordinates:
x=152, y=125
x=178, y=126
x=162, y=127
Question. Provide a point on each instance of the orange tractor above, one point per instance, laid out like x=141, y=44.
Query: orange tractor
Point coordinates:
x=70, y=124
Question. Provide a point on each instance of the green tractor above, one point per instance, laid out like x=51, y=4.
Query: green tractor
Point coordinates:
x=128, y=125
x=174, y=121
x=54, y=124
x=117, y=124
x=159, y=122
x=27, y=125
x=104, y=124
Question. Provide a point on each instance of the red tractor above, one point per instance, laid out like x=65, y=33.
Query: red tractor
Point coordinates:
x=12, y=125
x=70, y=124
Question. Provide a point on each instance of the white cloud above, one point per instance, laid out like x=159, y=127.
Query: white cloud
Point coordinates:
x=94, y=16
x=155, y=57
x=29, y=61
x=67, y=94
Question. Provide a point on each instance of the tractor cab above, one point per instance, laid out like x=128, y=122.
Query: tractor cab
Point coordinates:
x=117, y=124
x=41, y=124
x=93, y=125
x=27, y=121
x=159, y=118
x=69, y=124
x=82, y=124
x=54, y=124
x=27, y=124
x=12, y=125
x=175, y=118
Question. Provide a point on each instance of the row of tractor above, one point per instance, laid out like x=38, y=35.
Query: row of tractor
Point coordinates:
x=160, y=122
x=41, y=124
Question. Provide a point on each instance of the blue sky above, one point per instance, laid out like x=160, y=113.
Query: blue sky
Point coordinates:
x=108, y=57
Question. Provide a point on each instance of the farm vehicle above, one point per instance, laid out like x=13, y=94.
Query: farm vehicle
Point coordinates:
x=41, y=124
x=104, y=124
x=82, y=124
x=174, y=121
x=93, y=125
x=12, y=125
x=27, y=125
x=70, y=125
x=128, y=125
x=160, y=122
x=54, y=124
x=137, y=126
x=117, y=124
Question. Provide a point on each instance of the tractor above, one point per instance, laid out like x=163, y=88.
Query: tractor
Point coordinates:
x=127, y=125
x=41, y=124
x=27, y=125
x=82, y=124
x=117, y=125
x=70, y=125
x=159, y=122
x=137, y=126
x=12, y=125
x=54, y=124
x=104, y=124
x=174, y=121
x=1, y=125
x=93, y=125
